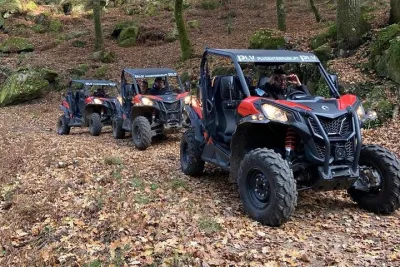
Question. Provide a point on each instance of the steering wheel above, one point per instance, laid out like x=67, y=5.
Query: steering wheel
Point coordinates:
x=297, y=92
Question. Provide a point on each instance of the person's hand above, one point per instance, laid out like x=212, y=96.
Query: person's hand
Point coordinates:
x=294, y=79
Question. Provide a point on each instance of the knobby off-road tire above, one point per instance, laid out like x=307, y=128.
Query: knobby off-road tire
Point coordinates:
x=62, y=125
x=118, y=132
x=190, y=154
x=95, y=124
x=141, y=133
x=386, y=163
x=267, y=187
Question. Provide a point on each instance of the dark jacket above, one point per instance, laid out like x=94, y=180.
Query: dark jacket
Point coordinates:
x=281, y=94
x=156, y=91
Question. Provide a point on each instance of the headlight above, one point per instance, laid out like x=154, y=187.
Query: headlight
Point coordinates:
x=119, y=99
x=274, y=113
x=187, y=99
x=360, y=112
x=97, y=101
x=147, y=102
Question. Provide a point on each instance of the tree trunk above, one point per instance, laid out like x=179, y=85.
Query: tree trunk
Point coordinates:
x=348, y=20
x=186, y=47
x=99, y=44
x=394, y=11
x=315, y=11
x=280, y=9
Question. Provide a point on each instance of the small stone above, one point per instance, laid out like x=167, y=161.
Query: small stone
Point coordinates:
x=61, y=164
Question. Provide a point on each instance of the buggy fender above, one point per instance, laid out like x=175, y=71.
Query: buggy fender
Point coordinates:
x=65, y=110
x=195, y=123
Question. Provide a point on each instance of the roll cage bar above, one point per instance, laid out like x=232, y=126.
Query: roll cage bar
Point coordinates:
x=258, y=56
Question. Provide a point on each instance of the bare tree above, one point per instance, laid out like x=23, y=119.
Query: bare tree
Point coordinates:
x=394, y=11
x=348, y=20
x=186, y=47
x=315, y=11
x=280, y=8
x=99, y=43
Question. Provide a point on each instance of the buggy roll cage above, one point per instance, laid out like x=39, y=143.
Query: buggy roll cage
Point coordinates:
x=148, y=73
x=87, y=83
x=262, y=56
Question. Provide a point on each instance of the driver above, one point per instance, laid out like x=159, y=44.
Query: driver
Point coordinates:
x=101, y=92
x=158, y=87
x=277, y=87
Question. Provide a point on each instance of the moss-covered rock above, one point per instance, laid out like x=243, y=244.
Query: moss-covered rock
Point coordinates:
x=4, y=73
x=194, y=24
x=79, y=71
x=172, y=35
x=104, y=56
x=101, y=73
x=324, y=53
x=382, y=41
x=74, y=6
x=119, y=27
x=78, y=43
x=324, y=37
x=75, y=34
x=388, y=64
x=55, y=25
x=128, y=36
x=16, y=45
x=38, y=28
x=30, y=6
x=267, y=39
x=10, y=6
x=22, y=86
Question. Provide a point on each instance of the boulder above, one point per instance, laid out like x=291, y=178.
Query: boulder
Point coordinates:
x=324, y=53
x=128, y=36
x=119, y=27
x=267, y=39
x=194, y=24
x=23, y=85
x=16, y=45
x=10, y=6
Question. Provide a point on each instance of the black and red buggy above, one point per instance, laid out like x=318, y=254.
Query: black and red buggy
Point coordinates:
x=148, y=115
x=274, y=148
x=87, y=103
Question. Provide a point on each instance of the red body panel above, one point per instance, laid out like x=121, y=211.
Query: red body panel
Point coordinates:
x=292, y=104
x=65, y=104
x=196, y=106
x=346, y=100
x=154, y=97
x=247, y=107
x=136, y=99
x=182, y=95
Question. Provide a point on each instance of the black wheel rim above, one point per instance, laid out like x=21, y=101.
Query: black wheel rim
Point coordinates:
x=185, y=154
x=60, y=126
x=114, y=127
x=136, y=133
x=258, y=188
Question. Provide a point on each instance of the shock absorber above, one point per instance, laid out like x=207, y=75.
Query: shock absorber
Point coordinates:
x=290, y=143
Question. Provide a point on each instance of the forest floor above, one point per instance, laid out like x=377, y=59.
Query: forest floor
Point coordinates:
x=80, y=200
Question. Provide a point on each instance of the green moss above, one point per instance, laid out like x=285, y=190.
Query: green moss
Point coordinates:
x=30, y=6
x=16, y=44
x=55, y=25
x=38, y=28
x=80, y=71
x=119, y=27
x=210, y=4
x=172, y=36
x=78, y=43
x=22, y=86
x=266, y=39
x=323, y=38
x=128, y=36
x=382, y=42
x=324, y=53
x=194, y=24
x=388, y=64
x=75, y=34
x=101, y=72
x=12, y=6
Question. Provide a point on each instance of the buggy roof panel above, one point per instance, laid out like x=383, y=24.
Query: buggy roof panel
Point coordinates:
x=95, y=82
x=267, y=56
x=151, y=72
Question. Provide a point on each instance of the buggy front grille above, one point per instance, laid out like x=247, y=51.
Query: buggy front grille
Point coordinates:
x=348, y=146
x=337, y=127
x=173, y=107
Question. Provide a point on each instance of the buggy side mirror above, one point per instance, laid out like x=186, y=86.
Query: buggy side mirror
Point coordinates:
x=335, y=80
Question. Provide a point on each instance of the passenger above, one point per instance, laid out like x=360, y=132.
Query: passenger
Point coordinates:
x=100, y=92
x=144, y=87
